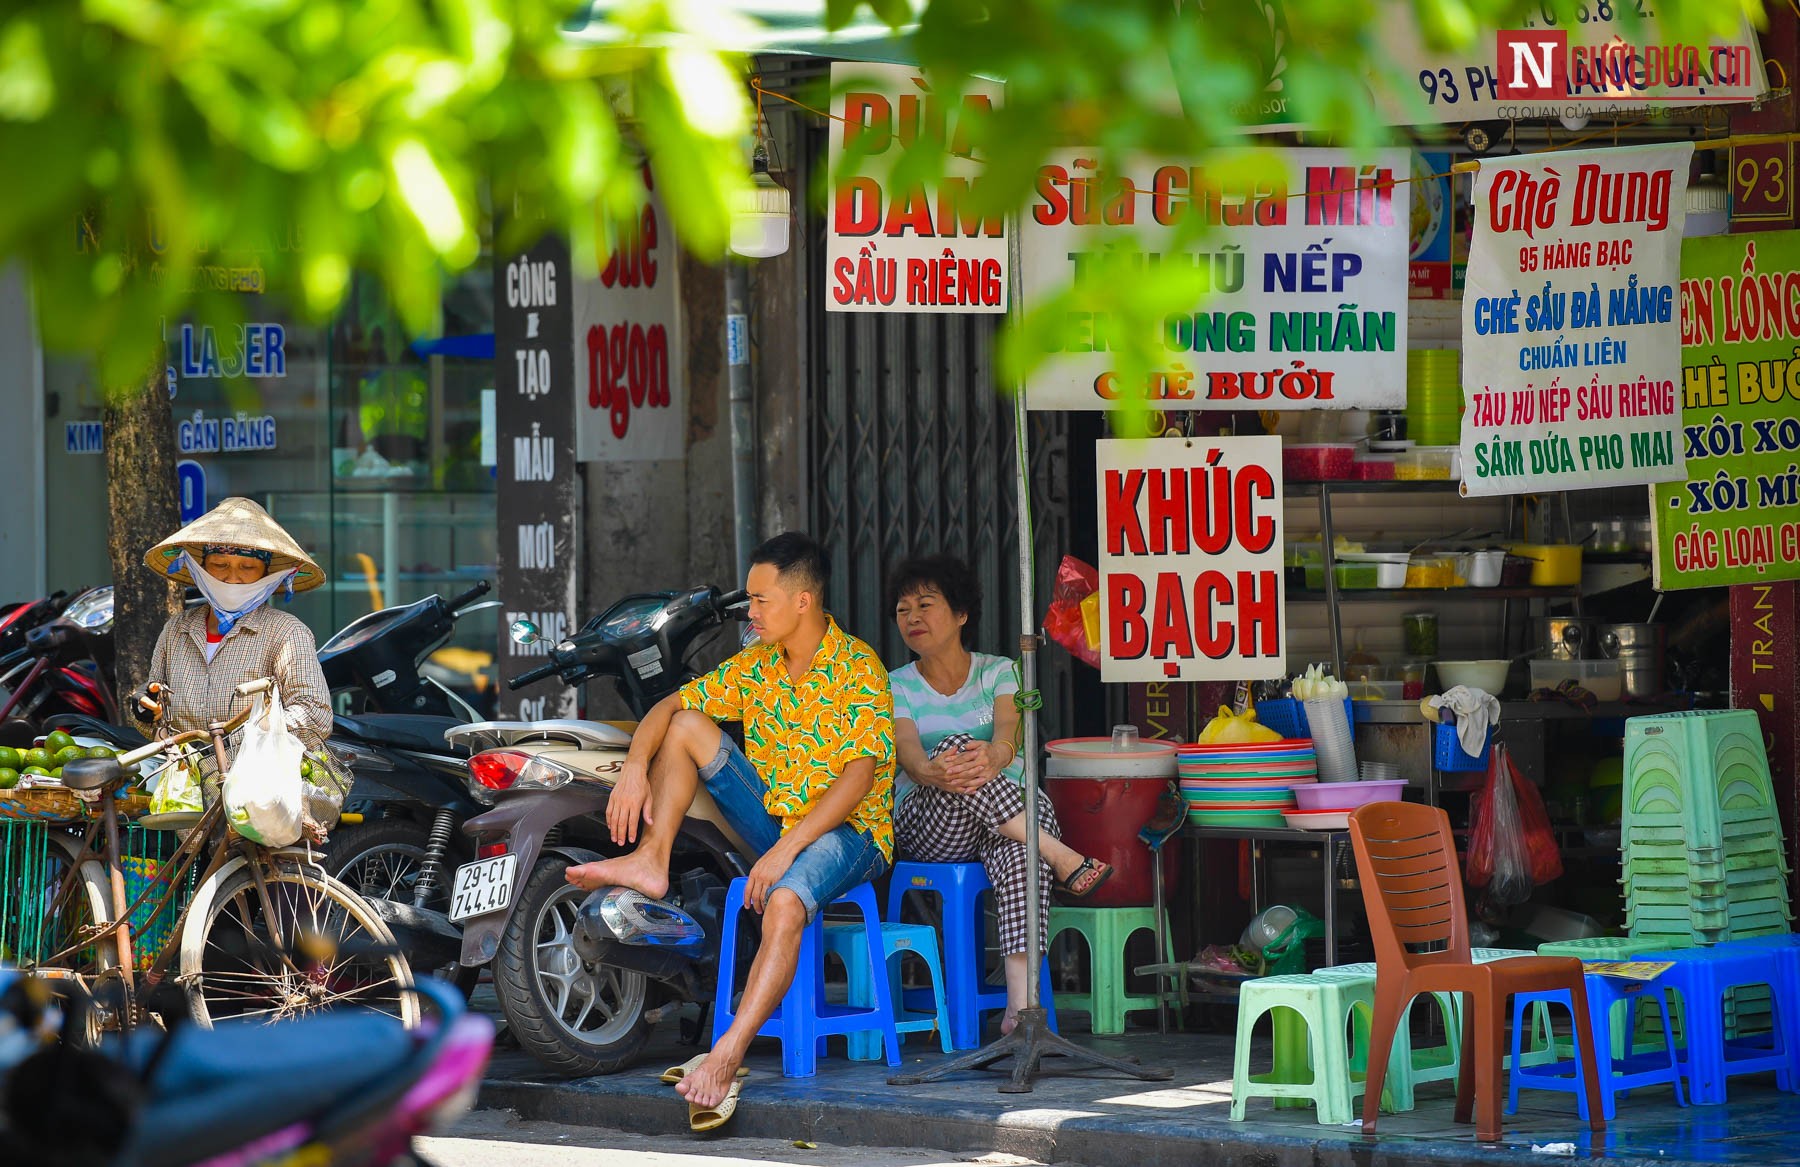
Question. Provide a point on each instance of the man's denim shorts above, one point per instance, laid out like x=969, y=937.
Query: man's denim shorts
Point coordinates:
x=828, y=866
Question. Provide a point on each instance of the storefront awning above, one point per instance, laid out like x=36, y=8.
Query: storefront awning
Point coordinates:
x=776, y=26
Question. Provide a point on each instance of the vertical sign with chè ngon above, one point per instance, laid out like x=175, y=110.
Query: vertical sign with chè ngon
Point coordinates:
x=1191, y=584
x=536, y=493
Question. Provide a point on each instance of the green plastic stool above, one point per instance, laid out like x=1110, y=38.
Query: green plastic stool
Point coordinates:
x=1312, y=1034
x=1107, y=930
x=1408, y=1068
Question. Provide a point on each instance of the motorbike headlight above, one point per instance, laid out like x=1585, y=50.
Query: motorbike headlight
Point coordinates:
x=492, y=771
x=92, y=609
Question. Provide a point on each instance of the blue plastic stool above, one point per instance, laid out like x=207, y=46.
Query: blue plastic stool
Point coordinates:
x=803, y=1020
x=845, y=940
x=966, y=989
x=1616, y=1074
x=1703, y=977
x=1785, y=949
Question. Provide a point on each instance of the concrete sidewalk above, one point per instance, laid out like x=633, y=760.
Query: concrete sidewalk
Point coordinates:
x=1104, y=1120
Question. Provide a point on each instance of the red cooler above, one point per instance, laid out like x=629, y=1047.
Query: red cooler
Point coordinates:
x=1103, y=797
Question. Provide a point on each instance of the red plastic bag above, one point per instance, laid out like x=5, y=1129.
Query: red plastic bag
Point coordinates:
x=1511, y=845
x=1065, y=622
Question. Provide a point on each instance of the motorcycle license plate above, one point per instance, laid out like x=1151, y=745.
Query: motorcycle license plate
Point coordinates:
x=483, y=886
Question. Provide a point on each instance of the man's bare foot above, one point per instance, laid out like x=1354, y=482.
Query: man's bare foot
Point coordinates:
x=624, y=871
x=707, y=1086
x=1008, y=1022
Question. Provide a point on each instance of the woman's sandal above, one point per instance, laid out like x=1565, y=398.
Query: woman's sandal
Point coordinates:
x=711, y=1118
x=1085, y=879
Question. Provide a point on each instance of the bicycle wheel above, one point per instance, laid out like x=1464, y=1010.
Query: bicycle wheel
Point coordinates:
x=338, y=954
x=87, y=907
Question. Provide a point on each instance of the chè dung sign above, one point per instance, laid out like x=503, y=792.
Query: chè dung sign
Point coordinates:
x=1571, y=341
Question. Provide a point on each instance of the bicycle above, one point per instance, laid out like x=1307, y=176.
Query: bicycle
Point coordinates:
x=267, y=935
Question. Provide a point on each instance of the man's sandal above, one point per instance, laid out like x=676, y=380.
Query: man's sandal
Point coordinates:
x=711, y=1118
x=1086, y=879
x=675, y=1074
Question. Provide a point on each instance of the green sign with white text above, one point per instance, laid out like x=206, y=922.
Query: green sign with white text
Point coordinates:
x=1736, y=520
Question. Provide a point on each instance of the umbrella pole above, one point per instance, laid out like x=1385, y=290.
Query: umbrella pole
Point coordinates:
x=1031, y=1041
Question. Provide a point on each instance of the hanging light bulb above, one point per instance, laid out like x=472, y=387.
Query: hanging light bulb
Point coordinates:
x=759, y=221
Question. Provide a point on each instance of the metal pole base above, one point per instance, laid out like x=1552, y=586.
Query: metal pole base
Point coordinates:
x=1028, y=1044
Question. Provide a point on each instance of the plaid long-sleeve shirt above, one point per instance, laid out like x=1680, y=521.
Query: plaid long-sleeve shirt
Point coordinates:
x=266, y=643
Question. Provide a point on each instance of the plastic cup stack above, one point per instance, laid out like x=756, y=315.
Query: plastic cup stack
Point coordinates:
x=1434, y=397
x=1331, y=738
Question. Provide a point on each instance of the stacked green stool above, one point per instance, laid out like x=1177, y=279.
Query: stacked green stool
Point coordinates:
x=1704, y=860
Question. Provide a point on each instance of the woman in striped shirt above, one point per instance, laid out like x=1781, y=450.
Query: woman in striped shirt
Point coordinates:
x=958, y=796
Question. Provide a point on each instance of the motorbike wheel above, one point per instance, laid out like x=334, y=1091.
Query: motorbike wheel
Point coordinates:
x=381, y=859
x=576, y=1021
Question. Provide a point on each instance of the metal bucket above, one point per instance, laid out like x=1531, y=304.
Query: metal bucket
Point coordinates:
x=1639, y=650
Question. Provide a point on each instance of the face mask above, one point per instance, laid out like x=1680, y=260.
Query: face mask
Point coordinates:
x=232, y=602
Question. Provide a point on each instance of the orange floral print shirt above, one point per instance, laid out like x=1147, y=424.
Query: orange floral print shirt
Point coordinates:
x=801, y=735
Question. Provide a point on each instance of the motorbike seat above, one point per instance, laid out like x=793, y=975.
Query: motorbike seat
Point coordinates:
x=400, y=731
x=123, y=736
x=216, y=1090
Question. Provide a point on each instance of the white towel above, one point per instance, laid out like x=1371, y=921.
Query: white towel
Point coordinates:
x=1476, y=712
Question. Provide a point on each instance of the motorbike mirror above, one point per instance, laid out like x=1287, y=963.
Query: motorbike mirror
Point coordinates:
x=524, y=632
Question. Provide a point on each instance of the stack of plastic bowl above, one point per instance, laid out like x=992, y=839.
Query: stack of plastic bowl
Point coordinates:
x=1249, y=784
x=1704, y=859
x=1434, y=397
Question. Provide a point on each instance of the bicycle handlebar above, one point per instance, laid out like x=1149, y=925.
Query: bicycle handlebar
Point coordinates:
x=133, y=757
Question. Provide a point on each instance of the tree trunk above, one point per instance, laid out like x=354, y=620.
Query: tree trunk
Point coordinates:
x=143, y=508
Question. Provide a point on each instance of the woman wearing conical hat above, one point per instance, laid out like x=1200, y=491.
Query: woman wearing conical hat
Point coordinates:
x=239, y=558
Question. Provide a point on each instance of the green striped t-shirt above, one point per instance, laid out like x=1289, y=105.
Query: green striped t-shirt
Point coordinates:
x=969, y=710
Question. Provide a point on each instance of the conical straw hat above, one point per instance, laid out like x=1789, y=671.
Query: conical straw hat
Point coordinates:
x=236, y=522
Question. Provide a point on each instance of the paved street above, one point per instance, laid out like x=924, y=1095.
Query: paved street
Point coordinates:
x=492, y=1138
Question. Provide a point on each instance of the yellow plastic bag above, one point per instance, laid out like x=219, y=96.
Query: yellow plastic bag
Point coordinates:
x=1231, y=729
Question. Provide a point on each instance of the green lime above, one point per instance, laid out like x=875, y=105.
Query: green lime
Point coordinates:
x=41, y=758
x=39, y=770
x=68, y=754
x=57, y=773
x=58, y=740
x=102, y=752
x=10, y=758
x=9, y=778
x=306, y=769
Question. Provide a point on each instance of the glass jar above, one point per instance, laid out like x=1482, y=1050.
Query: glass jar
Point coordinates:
x=1419, y=633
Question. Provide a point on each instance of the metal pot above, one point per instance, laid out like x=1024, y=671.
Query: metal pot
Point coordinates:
x=1567, y=637
x=1639, y=650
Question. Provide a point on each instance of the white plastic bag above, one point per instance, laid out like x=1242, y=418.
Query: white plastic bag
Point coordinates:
x=262, y=791
x=178, y=789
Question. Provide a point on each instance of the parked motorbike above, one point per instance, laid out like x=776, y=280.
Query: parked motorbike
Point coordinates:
x=411, y=784
x=64, y=667
x=335, y=1090
x=581, y=979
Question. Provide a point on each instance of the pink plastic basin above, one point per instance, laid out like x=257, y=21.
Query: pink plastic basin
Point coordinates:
x=1347, y=795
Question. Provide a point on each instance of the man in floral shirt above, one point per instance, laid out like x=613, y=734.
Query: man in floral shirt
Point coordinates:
x=812, y=789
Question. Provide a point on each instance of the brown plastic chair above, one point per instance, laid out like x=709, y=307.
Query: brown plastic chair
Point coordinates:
x=1412, y=891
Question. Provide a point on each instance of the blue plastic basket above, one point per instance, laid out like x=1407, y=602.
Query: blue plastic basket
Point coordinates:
x=1447, y=752
x=1287, y=716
